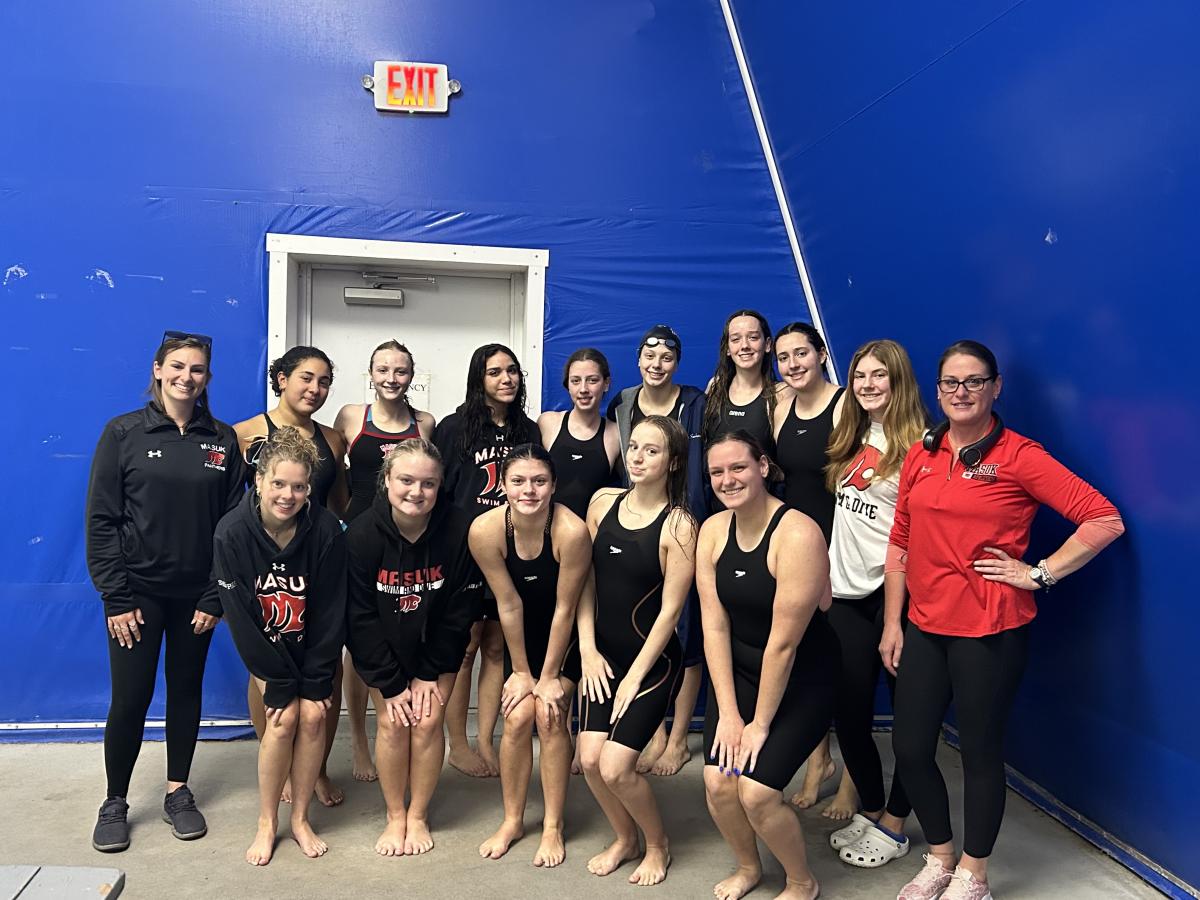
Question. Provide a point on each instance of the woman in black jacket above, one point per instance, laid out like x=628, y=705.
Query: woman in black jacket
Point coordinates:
x=162, y=478
x=413, y=593
x=279, y=562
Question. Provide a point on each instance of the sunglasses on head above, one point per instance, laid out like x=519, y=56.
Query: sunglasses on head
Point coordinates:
x=186, y=336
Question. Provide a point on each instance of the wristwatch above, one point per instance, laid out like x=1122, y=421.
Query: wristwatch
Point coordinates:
x=1040, y=575
x=1035, y=575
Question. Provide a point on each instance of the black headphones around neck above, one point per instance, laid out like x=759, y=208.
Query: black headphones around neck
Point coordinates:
x=972, y=454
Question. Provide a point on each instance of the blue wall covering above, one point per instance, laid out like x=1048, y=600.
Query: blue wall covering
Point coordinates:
x=139, y=177
x=1026, y=174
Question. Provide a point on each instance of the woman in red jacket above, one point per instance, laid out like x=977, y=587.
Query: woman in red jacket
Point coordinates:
x=968, y=494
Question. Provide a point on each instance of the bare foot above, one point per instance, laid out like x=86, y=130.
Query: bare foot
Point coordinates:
x=672, y=760
x=653, y=751
x=737, y=885
x=286, y=796
x=613, y=856
x=814, y=777
x=263, y=847
x=391, y=842
x=653, y=867
x=364, y=768
x=497, y=845
x=303, y=835
x=418, y=840
x=799, y=890
x=552, y=850
x=488, y=754
x=468, y=762
x=845, y=802
x=329, y=793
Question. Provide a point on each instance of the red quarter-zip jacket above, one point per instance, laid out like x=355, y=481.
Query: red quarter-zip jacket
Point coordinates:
x=946, y=514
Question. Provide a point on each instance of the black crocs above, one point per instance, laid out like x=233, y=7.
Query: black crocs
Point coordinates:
x=111, y=834
x=179, y=811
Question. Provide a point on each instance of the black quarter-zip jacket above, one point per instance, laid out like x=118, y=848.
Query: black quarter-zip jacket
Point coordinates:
x=411, y=604
x=286, y=608
x=154, y=499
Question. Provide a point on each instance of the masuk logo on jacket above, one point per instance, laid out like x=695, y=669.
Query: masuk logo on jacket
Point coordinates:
x=407, y=586
x=283, y=598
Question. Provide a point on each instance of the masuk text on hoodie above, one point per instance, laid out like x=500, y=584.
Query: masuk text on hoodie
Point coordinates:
x=286, y=609
x=411, y=603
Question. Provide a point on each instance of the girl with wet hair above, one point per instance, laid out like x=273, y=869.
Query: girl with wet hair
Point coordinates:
x=474, y=440
x=369, y=431
x=583, y=444
x=763, y=574
x=301, y=379
x=162, y=477
x=802, y=423
x=413, y=594
x=743, y=390
x=535, y=554
x=643, y=558
x=279, y=562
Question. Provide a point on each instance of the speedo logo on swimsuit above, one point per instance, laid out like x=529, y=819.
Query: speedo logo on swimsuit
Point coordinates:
x=986, y=472
x=738, y=573
x=800, y=431
x=531, y=578
x=576, y=456
x=612, y=549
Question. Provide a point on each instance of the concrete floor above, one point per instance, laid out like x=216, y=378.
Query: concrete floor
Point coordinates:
x=52, y=791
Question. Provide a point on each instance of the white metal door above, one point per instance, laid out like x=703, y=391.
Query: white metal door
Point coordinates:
x=442, y=321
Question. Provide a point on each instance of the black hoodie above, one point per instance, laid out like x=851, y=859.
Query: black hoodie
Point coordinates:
x=473, y=477
x=286, y=608
x=411, y=604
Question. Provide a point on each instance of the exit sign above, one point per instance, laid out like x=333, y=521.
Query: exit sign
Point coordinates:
x=414, y=87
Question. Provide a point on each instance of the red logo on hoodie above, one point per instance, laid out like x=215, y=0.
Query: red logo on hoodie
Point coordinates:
x=283, y=613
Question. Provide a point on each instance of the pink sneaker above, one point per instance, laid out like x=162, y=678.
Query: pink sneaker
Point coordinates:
x=929, y=883
x=964, y=886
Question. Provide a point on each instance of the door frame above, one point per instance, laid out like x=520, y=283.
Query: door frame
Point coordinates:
x=289, y=314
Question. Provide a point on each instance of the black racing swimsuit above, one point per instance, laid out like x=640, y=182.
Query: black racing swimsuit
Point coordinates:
x=802, y=452
x=581, y=467
x=327, y=467
x=536, y=581
x=754, y=417
x=366, y=456
x=629, y=585
x=746, y=588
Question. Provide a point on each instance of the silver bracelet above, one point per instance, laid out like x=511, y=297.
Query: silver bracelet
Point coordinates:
x=1047, y=579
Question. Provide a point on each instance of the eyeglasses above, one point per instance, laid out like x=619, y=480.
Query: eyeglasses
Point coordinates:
x=654, y=341
x=974, y=384
x=186, y=336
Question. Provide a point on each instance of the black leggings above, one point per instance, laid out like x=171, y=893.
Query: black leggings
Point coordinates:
x=133, y=675
x=982, y=675
x=858, y=625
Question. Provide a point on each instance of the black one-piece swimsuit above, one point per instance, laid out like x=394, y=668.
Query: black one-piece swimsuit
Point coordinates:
x=536, y=581
x=746, y=588
x=629, y=586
